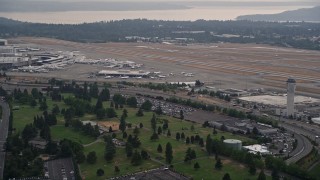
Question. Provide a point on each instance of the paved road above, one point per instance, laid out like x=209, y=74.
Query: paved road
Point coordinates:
x=4, y=125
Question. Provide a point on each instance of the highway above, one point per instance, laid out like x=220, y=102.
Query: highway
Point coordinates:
x=4, y=125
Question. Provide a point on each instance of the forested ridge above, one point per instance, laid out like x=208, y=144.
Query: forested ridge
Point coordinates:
x=288, y=34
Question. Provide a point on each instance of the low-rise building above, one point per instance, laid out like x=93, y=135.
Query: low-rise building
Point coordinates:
x=257, y=149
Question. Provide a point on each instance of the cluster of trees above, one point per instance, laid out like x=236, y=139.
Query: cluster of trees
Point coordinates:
x=282, y=34
x=87, y=128
x=26, y=98
x=190, y=155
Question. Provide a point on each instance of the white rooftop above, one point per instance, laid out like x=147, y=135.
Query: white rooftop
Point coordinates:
x=257, y=148
x=278, y=100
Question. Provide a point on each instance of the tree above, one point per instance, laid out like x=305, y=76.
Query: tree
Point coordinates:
x=99, y=105
x=201, y=143
x=129, y=149
x=192, y=127
x=122, y=125
x=104, y=95
x=116, y=169
x=45, y=132
x=141, y=125
x=136, y=158
x=125, y=113
x=169, y=152
x=118, y=99
x=158, y=110
x=139, y=113
x=154, y=136
x=159, y=149
x=29, y=132
x=92, y=157
x=110, y=149
x=144, y=154
x=100, y=172
x=226, y=177
x=111, y=113
x=196, y=166
x=33, y=103
x=188, y=140
x=43, y=106
x=181, y=115
x=147, y=105
x=214, y=130
x=132, y=102
x=55, y=110
x=178, y=136
x=182, y=135
x=255, y=131
x=218, y=164
x=168, y=133
x=100, y=113
x=262, y=176
x=165, y=125
x=159, y=130
x=124, y=135
x=192, y=139
x=198, y=83
x=136, y=131
x=153, y=123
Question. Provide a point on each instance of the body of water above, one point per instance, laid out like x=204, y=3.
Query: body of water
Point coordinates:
x=195, y=13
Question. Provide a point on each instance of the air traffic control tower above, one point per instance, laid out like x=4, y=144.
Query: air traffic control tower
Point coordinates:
x=291, y=87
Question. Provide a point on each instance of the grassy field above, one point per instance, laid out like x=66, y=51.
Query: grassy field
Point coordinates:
x=59, y=132
x=207, y=171
x=26, y=113
x=316, y=171
x=124, y=163
x=24, y=116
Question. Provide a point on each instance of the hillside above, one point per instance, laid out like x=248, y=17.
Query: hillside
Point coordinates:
x=305, y=14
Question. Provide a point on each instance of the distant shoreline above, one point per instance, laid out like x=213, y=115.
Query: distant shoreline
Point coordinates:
x=188, y=14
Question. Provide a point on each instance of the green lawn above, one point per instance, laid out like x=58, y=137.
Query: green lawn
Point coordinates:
x=207, y=171
x=23, y=116
x=315, y=171
x=124, y=163
x=26, y=113
x=59, y=132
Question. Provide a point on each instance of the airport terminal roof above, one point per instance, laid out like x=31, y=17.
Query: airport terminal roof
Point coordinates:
x=278, y=100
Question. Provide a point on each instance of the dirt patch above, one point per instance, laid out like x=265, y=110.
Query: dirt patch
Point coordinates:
x=226, y=161
x=114, y=125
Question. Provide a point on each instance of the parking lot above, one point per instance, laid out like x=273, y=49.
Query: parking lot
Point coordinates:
x=166, y=107
x=59, y=169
